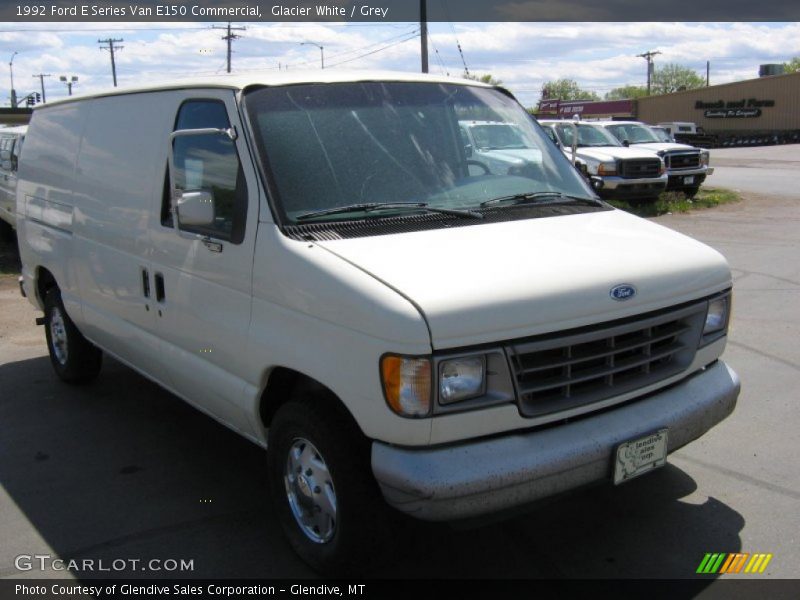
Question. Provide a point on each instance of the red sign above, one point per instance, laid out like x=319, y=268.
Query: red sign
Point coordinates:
x=586, y=108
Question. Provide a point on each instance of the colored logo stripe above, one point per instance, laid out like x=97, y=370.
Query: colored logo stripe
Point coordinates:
x=723, y=562
x=758, y=563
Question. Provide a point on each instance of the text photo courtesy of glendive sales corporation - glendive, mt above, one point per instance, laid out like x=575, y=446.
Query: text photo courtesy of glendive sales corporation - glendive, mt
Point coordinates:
x=350, y=298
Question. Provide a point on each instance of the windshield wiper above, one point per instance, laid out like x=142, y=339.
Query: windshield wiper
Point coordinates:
x=370, y=206
x=531, y=197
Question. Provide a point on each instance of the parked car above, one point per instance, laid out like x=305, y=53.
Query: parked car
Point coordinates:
x=616, y=171
x=687, y=166
x=11, y=140
x=502, y=148
x=308, y=259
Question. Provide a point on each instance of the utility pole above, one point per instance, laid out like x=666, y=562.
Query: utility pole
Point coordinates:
x=111, y=48
x=229, y=38
x=423, y=34
x=708, y=73
x=41, y=77
x=648, y=56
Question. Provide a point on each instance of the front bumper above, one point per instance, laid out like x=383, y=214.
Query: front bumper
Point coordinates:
x=677, y=178
x=486, y=476
x=614, y=182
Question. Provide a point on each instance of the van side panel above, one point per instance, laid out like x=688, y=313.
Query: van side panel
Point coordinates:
x=45, y=202
x=114, y=192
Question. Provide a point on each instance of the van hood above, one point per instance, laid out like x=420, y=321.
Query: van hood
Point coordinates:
x=609, y=153
x=498, y=281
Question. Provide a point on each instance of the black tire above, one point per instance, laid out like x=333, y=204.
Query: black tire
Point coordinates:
x=74, y=358
x=691, y=192
x=363, y=521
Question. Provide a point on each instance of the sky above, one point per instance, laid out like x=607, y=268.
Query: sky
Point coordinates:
x=599, y=56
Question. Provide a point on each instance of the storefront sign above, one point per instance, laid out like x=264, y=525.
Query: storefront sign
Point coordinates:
x=744, y=103
x=732, y=113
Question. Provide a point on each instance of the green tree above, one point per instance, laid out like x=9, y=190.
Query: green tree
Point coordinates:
x=485, y=78
x=566, y=89
x=627, y=91
x=673, y=78
x=793, y=65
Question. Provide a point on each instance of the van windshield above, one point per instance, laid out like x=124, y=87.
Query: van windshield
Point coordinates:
x=328, y=146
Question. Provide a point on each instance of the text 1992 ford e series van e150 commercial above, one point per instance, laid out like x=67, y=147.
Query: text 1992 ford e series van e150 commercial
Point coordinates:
x=318, y=262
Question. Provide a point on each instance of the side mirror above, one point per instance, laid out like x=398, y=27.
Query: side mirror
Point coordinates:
x=468, y=150
x=195, y=208
x=626, y=143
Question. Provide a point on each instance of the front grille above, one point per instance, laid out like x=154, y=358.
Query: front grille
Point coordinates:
x=682, y=161
x=572, y=369
x=639, y=168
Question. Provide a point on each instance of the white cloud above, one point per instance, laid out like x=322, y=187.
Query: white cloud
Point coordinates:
x=599, y=56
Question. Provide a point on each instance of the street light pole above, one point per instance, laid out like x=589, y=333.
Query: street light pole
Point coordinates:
x=13, y=91
x=69, y=82
x=321, y=52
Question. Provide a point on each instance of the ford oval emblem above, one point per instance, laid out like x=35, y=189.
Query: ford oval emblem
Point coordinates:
x=623, y=291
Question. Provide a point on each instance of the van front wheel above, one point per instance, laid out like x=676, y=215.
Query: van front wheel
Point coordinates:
x=75, y=359
x=322, y=488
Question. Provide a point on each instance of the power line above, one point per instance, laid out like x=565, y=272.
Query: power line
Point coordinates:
x=229, y=38
x=411, y=37
x=359, y=49
x=111, y=48
x=458, y=43
x=439, y=59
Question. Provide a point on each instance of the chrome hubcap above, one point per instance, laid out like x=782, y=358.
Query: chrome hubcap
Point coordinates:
x=58, y=336
x=309, y=490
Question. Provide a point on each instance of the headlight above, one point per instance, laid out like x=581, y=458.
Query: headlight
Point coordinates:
x=705, y=157
x=407, y=384
x=461, y=379
x=607, y=168
x=663, y=168
x=717, y=315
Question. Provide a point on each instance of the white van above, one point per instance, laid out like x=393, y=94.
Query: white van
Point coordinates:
x=11, y=140
x=308, y=259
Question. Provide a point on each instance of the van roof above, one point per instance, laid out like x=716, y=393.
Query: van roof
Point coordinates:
x=267, y=78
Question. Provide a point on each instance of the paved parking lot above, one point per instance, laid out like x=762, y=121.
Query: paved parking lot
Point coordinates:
x=121, y=469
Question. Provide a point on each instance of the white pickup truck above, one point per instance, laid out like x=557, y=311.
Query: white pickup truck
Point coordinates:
x=687, y=166
x=615, y=171
x=308, y=258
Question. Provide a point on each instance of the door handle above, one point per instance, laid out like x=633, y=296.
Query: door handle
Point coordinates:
x=145, y=283
x=160, y=295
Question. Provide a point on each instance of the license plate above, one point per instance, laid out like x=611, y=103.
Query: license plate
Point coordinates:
x=640, y=456
x=688, y=180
